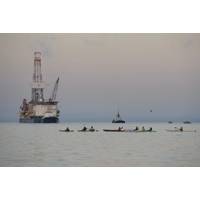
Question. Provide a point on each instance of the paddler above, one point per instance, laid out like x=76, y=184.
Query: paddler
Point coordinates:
x=92, y=129
x=120, y=128
x=67, y=129
x=84, y=128
x=181, y=129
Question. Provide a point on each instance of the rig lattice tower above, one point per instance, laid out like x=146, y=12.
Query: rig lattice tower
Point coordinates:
x=38, y=86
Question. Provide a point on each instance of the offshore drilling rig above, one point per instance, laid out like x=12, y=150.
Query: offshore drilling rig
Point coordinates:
x=39, y=110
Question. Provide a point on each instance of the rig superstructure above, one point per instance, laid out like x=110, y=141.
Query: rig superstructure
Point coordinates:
x=39, y=110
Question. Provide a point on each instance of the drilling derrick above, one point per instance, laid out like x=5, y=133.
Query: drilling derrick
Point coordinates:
x=38, y=85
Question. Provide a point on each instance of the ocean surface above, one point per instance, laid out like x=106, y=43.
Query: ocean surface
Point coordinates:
x=43, y=145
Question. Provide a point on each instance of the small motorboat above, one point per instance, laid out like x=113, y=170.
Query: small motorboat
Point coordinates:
x=118, y=119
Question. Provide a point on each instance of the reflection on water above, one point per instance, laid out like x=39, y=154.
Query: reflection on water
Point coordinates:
x=44, y=145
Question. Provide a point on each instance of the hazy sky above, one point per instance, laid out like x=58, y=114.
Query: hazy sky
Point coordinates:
x=101, y=73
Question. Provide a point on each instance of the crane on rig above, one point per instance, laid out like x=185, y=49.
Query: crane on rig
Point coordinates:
x=54, y=93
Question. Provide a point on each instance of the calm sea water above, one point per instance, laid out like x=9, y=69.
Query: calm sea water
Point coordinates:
x=44, y=145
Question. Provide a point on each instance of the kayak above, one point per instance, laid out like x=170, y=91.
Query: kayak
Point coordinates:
x=66, y=131
x=184, y=131
x=113, y=130
x=88, y=131
x=129, y=130
x=146, y=131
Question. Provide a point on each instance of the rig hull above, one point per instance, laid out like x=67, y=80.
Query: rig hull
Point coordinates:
x=39, y=120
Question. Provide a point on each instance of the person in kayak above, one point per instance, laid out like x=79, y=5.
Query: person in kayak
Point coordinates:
x=150, y=129
x=67, y=129
x=84, y=128
x=136, y=128
x=91, y=128
x=181, y=128
x=120, y=128
x=143, y=129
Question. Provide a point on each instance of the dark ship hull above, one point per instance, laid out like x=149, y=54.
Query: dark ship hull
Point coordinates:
x=39, y=120
x=118, y=121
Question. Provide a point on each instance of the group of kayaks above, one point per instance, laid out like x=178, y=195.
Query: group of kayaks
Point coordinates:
x=84, y=129
x=121, y=129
